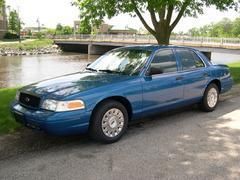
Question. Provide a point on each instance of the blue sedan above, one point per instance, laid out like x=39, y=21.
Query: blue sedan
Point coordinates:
x=123, y=85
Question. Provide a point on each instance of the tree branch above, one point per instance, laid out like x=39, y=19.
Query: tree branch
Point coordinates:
x=153, y=16
x=142, y=19
x=169, y=13
x=180, y=14
x=161, y=14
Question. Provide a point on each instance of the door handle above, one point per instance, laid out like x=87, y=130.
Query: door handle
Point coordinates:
x=178, y=78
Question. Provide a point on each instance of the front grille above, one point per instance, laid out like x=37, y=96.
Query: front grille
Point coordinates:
x=29, y=100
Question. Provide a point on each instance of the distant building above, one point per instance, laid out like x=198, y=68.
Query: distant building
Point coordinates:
x=104, y=28
x=3, y=22
x=76, y=26
x=109, y=29
x=126, y=31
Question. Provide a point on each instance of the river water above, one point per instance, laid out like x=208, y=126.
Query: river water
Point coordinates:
x=22, y=70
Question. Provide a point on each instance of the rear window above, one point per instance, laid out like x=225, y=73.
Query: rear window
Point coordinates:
x=189, y=59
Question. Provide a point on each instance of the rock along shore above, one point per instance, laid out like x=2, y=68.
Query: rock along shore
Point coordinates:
x=53, y=49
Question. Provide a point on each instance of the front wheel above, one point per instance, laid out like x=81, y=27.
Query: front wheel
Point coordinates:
x=109, y=122
x=210, y=98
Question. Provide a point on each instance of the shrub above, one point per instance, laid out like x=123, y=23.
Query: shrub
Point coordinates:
x=10, y=35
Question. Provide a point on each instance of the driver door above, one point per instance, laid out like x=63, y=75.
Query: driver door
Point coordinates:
x=162, y=86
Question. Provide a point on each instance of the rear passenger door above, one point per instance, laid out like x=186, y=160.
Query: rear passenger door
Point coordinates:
x=194, y=72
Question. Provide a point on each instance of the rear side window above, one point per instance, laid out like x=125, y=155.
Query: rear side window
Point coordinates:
x=164, y=61
x=189, y=59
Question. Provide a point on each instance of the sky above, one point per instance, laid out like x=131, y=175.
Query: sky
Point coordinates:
x=52, y=12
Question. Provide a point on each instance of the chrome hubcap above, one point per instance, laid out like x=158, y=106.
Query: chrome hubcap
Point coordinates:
x=112, y=122
x=212, y=97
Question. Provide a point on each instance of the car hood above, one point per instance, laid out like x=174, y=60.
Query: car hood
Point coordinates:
x=74, y=83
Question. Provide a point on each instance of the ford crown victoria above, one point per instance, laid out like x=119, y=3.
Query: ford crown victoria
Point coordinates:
x=123, y=85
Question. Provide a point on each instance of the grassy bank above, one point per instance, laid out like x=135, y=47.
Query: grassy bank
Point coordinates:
x=235, y=71
x=27, y=45
x=7, y=123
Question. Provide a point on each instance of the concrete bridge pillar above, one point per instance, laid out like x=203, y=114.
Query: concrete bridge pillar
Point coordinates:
x=99, y=49
x=89, y=49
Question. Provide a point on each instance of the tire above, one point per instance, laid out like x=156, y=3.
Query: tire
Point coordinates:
x=109, y=122
x=210, y=98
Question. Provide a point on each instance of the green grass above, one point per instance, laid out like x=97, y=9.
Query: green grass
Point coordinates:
x=27, y=44
x=235, y=71
x=7, y=123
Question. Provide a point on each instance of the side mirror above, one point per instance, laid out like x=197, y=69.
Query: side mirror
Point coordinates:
x=153, y=71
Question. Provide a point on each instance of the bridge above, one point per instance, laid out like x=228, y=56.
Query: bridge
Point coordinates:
x=99, y=44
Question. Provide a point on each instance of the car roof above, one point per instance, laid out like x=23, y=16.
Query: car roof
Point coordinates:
x=151, y=47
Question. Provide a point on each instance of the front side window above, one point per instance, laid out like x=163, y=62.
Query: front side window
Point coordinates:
x=189, y=59
x=122, y=61
x=164, y=62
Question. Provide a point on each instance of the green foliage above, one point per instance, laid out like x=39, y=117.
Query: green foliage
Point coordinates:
x=235, y=71
x=14, y=23
x=67, y=30
x=223, y=28
x=84, y=28
x=63, y=30
x=7, y=123
x=161, y=12
x=59, y=27
x=2, y=4
x=40, y=35
x=9, y=35
x=29, y=33
x=236, y=28
x=51, y=31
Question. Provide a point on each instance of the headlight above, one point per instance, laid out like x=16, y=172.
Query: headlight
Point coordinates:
x=17, y=96
x=60, y=106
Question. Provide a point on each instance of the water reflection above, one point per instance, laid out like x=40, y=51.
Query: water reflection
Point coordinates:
x=224, y=58
x=22, y=70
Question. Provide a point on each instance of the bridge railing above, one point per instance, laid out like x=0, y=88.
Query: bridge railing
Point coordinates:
x=150, y=39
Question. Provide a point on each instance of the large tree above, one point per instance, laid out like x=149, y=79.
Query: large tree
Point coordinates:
x=14, y=22
x=236, y=28
x=224, y=28
x=165, y=14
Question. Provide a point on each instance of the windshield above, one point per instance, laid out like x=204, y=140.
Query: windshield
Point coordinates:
x=123, y=61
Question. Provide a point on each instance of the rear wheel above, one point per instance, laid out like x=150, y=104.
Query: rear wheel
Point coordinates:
x=210, y=98
x=109, y=122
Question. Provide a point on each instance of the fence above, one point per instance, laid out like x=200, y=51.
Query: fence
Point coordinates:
x=202, y=41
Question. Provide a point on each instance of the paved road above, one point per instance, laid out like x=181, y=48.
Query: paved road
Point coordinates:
x=188, y=144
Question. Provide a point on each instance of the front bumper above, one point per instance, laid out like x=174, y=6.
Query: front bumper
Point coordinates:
x=57, y=123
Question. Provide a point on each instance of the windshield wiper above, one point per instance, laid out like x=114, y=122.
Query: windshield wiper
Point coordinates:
x=109, y=71
x=91, y=69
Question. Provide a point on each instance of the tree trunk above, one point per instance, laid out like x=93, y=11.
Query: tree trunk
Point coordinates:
x=163, y=36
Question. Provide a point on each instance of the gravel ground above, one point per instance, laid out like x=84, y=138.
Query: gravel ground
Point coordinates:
x=182, y=144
